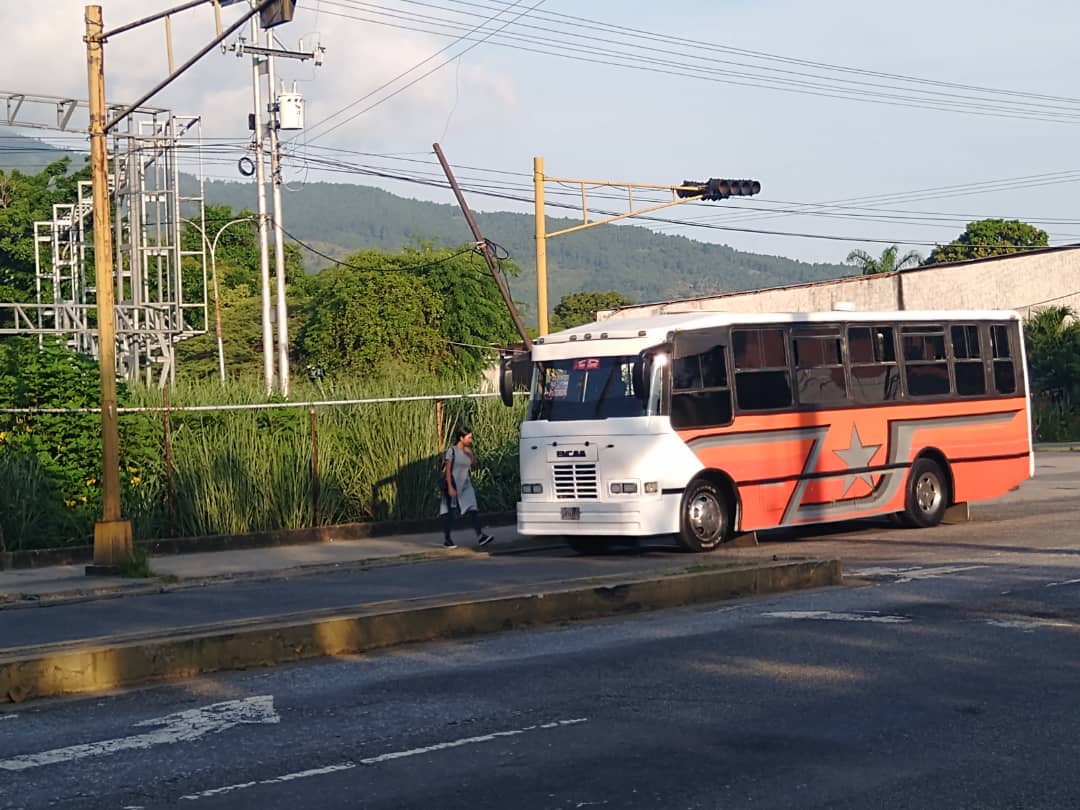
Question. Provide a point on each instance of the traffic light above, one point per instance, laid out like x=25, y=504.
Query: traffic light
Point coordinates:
x=278, y=12
x=717, y=189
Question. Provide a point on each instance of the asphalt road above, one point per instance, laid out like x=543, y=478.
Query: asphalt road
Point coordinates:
x=945, y=674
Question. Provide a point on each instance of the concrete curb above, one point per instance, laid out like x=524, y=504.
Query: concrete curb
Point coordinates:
x=1058, y=447
x=165, y=583
x=75, y=555
x=80, y=667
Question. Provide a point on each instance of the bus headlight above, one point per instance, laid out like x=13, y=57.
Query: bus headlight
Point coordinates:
x=532, y=489
x=623, y=487
x=652, y=487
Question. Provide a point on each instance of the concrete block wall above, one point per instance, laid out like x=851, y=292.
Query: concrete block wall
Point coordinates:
x=1049, y=277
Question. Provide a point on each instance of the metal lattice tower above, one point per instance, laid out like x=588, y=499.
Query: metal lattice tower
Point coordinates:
x=161, y=288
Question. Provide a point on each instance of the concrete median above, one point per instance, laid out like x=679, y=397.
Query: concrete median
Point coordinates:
x=107, y=663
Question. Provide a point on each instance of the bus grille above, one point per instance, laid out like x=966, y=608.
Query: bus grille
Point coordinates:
x=575, y=481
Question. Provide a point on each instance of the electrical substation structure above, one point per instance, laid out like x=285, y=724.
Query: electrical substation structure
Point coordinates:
x=155, y=185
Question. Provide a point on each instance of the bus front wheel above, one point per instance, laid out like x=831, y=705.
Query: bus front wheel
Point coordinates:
x=927, y=495
x=705, y=517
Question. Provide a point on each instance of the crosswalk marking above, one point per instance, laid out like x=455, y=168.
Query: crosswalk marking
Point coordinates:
x=834, y=616
x=912, y=573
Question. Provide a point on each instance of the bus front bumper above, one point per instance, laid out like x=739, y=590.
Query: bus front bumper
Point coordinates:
x=629, y=518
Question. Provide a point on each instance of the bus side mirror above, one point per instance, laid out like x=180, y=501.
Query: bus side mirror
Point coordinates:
x=640, y=374
x=506, y=380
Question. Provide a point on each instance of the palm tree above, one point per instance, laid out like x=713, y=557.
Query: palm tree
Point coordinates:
x=888, y=263
x=1053, y=344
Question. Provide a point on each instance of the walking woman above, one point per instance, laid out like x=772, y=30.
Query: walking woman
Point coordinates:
x=459, y=493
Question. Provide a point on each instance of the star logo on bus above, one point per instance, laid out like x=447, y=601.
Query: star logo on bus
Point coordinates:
x=857, y=456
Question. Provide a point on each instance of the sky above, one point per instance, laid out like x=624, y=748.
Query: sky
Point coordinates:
x=908, y=119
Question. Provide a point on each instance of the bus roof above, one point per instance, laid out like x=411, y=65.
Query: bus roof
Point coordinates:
x=628, y=336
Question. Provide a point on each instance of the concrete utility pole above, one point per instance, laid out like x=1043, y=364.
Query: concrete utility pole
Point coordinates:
x=279, y=233
x=112, y=534
x=264, y=242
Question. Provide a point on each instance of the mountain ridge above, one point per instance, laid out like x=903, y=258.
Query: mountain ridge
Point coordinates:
x=337, y=219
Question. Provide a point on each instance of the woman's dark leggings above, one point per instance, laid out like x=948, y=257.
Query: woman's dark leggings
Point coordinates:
x=448, y=521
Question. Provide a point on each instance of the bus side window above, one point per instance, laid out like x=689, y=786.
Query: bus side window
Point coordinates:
x=700, y=395
x=967, y=361
x=926, y=367
x=819, y=366
x=1004, y=368
x=762, y=377
x=875, y=376
x=686, y=373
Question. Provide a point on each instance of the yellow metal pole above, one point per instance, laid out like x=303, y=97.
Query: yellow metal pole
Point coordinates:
x=112, y=534
x=541, y=248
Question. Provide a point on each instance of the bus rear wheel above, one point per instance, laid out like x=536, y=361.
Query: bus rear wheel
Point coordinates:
x=927, y=495
x=705, y=517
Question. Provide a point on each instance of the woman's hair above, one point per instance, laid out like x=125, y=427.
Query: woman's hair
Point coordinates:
x=461, y=432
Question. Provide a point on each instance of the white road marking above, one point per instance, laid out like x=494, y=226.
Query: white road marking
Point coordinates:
x=910, y=574
x=831, y=616
x=8, y=716
x=182, y=726
x=1028, y=625
x=346, y=766
x=1065, y=582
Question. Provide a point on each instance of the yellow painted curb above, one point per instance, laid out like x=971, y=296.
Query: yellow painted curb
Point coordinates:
x=39, y=672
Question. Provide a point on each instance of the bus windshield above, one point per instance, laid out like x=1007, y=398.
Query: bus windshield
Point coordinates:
x=586, y=388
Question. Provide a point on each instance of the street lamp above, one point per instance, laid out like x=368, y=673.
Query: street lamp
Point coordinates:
x=690, y=191
x=213, y=279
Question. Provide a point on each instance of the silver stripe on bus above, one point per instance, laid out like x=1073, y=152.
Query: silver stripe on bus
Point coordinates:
x=901, y=437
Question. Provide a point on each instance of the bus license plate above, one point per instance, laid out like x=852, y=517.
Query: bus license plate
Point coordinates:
x=571, y=513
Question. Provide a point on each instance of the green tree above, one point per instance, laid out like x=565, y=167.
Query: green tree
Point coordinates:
x=372, y=322
x=64, y=449
x=239, y=286
x=475, y=316
x=886, y=263
x=581, y=307
x=990, y=237
x=1052, y=337
x=426, y=310
x=25, y=199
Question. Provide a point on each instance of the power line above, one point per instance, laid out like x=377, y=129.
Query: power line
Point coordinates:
x=688, y=223
x=802, y=82
x=578, y=22
x=414, y=268
x=424, y=75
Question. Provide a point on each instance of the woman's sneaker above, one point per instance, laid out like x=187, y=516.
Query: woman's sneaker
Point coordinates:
x=484, y=539
x=448, y=543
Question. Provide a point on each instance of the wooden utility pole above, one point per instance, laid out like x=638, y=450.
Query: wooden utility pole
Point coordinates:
x=112, y=534
x=541, y=247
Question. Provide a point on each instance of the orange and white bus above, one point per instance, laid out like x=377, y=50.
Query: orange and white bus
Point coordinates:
x=707, y=425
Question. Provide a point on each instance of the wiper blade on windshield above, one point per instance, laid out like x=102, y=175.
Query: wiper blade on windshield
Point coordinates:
x=604, y=390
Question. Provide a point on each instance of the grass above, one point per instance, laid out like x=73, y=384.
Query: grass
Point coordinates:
x=137, y=566
x=243, y=471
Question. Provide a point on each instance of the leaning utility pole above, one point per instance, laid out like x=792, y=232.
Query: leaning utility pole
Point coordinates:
x=484, y=248
x=112, y=534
